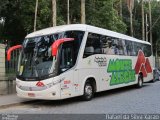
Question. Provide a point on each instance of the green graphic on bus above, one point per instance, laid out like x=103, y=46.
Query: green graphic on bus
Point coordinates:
x=122, y=71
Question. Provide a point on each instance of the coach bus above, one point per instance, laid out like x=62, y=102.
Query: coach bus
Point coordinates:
x=78, y=60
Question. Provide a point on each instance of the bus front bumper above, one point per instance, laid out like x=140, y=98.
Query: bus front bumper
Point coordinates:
x=48, y=94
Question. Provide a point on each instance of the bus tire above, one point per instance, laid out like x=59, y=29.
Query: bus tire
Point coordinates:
x=140, y=81
x=153, y=80
x=88, y=91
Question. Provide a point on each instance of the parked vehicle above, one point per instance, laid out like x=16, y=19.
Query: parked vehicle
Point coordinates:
x=156, y=74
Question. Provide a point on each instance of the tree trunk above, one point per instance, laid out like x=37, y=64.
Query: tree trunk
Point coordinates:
x=131, y=23
x=146, y=27
x=83, y=20
x=120, y=7
x=143, y=36
x=54, y=13
x=35, y=17
x=130, y=4
x=68, y=21
x=150, y=21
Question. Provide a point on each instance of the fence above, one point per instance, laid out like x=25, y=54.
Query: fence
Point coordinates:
x=2, y=61
x=11, y=66
x=7, y=71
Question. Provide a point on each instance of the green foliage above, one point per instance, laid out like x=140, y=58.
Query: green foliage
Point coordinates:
x=103, y=14
x=13, y=28
x=19, y=16
x=156, y=26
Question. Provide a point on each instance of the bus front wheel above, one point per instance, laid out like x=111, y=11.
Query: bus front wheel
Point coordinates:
x=88, y=91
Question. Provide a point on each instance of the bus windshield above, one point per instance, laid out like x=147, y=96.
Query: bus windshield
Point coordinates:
x=36, y=61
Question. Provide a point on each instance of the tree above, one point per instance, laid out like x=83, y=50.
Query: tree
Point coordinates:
x=19, y=16
x=13, y=30
x=68, y=20
x=35, y=18
x=106, y=17
x=83, y=17
x=143, y=37
x=150, y=22
x=156, y=25
x=130, y=4
x=54, y=13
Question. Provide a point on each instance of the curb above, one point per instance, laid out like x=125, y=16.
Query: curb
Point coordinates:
x=18, y=104
x=13, y=104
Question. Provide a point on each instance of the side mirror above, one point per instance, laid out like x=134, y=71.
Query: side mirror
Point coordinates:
x=57, y=43
x=9, y=51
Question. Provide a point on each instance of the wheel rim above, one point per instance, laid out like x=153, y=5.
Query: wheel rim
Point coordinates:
x=88, y=91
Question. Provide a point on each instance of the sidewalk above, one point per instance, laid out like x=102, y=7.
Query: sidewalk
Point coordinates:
x=8, y=95
x=12, y=99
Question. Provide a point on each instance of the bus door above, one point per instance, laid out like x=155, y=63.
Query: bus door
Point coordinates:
x=76, y=84
x=68, y=73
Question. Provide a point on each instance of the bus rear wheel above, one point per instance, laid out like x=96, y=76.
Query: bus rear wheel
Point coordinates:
x=88, y=91
x=140, y=81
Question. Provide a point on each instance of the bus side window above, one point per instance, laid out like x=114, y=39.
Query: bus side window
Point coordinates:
x=121, y=47
x=89, y=49
x=147, y=50
x=130, y=48
x=111, y=48
x=124, y=47
x=104, y=44
x=114, y=50
x=97, y=43
x=137, y=47
x=66, y=59
x=93, y=45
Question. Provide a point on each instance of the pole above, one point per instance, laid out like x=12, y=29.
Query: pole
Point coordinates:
x=68, y=12
x=54, y=12
x=35, y=15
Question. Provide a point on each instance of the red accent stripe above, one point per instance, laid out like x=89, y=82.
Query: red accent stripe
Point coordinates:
x=57, y=43
x=10, y=50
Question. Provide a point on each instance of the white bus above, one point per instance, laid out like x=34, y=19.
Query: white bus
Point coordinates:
x=79, y=60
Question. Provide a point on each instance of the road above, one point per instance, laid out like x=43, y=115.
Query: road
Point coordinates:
x=123, y=100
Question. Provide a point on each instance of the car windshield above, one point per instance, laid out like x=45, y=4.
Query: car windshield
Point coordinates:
x=36, y=61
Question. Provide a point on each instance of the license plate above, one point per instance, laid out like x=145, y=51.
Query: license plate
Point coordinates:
x=31, y=94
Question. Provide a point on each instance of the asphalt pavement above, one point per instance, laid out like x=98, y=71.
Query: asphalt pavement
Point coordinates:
x=10, y=100
x=123, y=100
